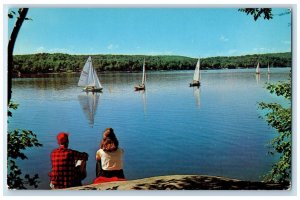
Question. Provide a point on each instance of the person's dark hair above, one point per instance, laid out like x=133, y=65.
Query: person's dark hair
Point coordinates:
x=109, y=141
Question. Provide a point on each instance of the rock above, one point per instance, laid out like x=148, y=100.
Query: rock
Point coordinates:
x=184, y=182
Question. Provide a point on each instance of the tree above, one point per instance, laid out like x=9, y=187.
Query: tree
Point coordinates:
x=257, y=12
x=278, y=117
x=17, y=140
x=22, y=16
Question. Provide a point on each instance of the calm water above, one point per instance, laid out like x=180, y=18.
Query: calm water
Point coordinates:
x=169, y=129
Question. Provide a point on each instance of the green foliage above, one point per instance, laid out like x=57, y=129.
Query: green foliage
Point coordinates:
x=57, y=62
x=281, y=89
x=280, y=118
x=17, y=142
x=12, y=106
x=257, y=12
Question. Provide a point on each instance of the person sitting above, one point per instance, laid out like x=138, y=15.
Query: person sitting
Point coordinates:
x=110, y=157
x=64, y=172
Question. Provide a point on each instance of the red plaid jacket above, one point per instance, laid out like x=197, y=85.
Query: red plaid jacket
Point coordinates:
x=63, y=161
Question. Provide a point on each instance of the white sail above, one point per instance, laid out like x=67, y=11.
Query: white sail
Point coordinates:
x=197, y=71
x=268, y=68
x=83, y=80
x=144, y=74
x=97, y=82
x=257, y=68
x=89, y=76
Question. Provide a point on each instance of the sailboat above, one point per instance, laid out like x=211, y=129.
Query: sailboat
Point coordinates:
x=257, y=69
x=269, y=69
x=196, y=78
x=89, y=78
x=142, y=85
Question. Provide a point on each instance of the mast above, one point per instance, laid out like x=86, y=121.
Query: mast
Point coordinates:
x=91, y=77
x=144, y=75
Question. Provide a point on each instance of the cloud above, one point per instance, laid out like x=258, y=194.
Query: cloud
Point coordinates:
x=58, y=50
x=40, y=50
x=260, y=49
x=112, y=46
x=232, y=51
x=286, y=42
x=160, y=53
x=265, y=50
x=223, y=38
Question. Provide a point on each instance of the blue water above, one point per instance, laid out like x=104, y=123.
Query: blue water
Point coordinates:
x=168, y=129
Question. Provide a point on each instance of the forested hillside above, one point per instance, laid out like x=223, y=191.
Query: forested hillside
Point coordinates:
x=57, y=62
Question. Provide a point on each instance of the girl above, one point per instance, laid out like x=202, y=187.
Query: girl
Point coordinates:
x=109, y=157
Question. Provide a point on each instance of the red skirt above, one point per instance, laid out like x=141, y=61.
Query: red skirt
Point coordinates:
x=102, y=179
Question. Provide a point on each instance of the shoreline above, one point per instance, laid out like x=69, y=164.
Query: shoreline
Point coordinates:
x=41, y=74
x=184, y=182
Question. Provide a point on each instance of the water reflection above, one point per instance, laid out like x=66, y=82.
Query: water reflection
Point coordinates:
x=257, y=77
x=268, y=77
x=48, y=81
x=197, y=96
x=89, y=103
x=143, y=95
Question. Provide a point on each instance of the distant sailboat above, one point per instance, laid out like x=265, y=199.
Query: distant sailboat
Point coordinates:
x=196, y=78
x=257, y=69
x=269, y=72
x=142, y=85
x=89, y=78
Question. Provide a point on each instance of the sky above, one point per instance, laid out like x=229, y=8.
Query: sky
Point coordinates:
x=193, y=32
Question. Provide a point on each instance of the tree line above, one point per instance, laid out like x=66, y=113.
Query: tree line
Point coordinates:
x=58, y=62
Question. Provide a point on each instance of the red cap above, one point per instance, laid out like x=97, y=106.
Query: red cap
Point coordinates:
x=62, y=138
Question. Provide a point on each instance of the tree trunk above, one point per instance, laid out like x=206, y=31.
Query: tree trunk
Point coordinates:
x=10, y=49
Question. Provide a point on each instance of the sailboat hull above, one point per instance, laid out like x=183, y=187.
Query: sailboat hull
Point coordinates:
x=137, y=88
x=195, y=84
x=92, y=90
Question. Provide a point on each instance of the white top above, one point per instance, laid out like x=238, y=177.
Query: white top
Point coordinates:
x=111, y=160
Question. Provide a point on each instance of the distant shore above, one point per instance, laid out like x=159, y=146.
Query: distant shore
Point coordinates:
x=184, y=182
x=58, y=62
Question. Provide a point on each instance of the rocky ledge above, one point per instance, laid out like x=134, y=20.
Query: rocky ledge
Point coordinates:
x=184, y=182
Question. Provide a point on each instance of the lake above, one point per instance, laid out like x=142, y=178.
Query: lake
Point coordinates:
x=170, y=128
